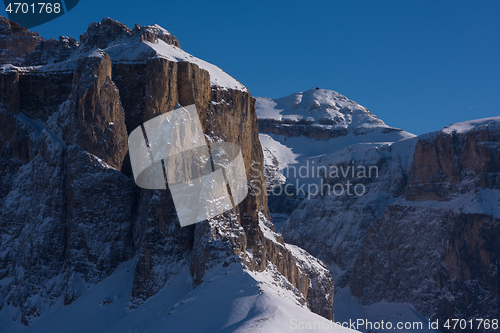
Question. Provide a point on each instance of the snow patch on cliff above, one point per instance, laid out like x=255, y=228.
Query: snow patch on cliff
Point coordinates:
x=133, y=50
x=471, y=124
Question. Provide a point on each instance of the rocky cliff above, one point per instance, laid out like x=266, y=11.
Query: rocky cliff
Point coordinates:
x=15, y=42
x=426, y=230
x=71, y=213
x=437, y=246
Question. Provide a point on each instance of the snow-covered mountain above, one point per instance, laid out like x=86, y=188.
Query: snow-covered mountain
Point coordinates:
x=425, y=231
x=83, y=249
x=296, y=131
x=317, y=122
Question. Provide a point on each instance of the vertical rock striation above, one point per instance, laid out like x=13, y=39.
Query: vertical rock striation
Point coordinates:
x=72, y=212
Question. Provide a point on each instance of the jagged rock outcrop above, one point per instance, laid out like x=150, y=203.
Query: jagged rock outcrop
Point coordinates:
x=15, y=42
x=336, y=224
x=33, y=235
x=97, y=113
x=72, y=213
x=101, y=34
x=52, y=49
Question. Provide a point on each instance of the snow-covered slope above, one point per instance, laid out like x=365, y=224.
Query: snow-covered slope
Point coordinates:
x=231, y=300
x=137, y=51
x=324, y=107
x=305, y=125
x=476, y=125
x=298, y=133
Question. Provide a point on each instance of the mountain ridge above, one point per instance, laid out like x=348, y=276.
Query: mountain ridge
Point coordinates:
x=71, y=214
x=409, y=238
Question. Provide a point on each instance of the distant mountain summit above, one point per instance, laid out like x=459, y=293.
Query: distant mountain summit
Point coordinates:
x=321, y=114
x=296, y=131
x=316, y=122
x=326, y=107
x=424, y=234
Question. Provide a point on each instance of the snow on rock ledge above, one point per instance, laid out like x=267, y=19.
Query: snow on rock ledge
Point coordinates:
x=125, y=45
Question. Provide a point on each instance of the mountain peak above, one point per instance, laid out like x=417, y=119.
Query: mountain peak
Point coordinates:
x=101, y=34
x=121, y=43
x=15, y=41
x=316, y=122
x=318, y=107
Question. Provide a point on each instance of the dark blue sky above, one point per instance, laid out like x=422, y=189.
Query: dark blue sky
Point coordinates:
x=418, y=65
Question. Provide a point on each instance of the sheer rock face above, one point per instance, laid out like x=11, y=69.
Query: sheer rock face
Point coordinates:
x=23, y=88
x=100, y=119
x=225, y=115
x=40, y=95
x=443, y=262
x=426, y=231
x=451, y=162
x=9, y=90
x=72, y=212
x=299, y=128
x=15, y=42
